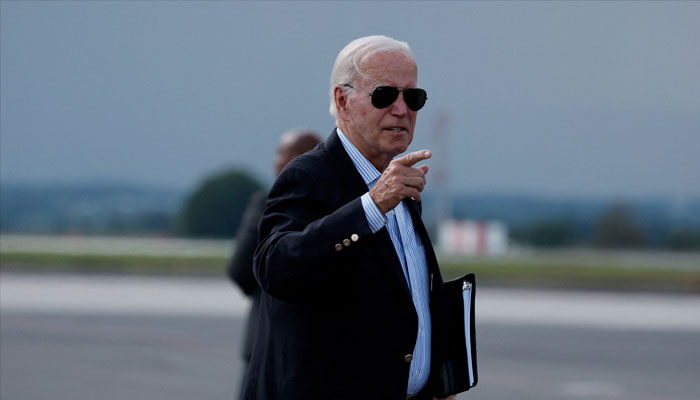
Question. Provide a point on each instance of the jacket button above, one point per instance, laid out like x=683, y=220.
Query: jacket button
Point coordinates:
x=408, y=357
x=338, y=247
x=354, y=237
x=346, y=242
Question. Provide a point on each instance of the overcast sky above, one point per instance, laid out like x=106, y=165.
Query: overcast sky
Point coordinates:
x=594, y=99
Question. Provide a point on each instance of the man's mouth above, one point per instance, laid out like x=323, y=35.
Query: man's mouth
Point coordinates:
x=395, y=129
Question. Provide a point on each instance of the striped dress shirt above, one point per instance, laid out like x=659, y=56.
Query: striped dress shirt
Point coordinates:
x=411, y=254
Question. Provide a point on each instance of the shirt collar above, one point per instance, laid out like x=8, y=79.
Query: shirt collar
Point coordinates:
x=368, y=171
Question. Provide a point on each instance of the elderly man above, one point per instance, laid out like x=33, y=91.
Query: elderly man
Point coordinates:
x=353, y=304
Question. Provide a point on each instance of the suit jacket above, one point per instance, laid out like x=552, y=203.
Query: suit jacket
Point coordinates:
x=240, y=266
x=337, y=320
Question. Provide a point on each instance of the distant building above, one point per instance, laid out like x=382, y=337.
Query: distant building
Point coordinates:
x=468, y=237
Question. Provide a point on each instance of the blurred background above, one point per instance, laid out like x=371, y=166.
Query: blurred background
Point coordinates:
x=565, y=173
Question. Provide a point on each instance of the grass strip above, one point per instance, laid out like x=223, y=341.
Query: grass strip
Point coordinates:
x=602, y=276
x=100, y=263
x=518, y=273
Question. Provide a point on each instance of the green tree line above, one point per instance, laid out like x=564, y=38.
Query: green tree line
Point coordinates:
x=215, y=208
x=618, y=227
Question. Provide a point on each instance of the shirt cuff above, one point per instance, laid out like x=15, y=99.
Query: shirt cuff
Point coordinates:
x=375, y=218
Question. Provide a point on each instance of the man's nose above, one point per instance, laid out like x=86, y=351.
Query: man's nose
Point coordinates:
x=399, y=106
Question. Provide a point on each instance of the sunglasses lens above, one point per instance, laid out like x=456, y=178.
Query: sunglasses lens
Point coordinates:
x=415, y=98
x=384, y=96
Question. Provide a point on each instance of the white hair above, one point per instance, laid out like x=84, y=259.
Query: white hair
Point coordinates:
x=349, y=62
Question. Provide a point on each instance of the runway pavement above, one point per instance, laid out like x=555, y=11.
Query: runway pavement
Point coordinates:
x=217, y=297
x=117, y=337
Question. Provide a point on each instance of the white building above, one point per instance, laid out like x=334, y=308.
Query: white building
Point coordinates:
x=468, y=237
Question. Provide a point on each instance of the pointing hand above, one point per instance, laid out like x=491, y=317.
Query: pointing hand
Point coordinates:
x=400, y=180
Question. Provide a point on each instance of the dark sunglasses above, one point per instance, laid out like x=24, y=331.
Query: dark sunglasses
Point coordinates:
x=384, y=96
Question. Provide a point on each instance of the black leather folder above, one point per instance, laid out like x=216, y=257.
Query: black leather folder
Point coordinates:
x=459, y=373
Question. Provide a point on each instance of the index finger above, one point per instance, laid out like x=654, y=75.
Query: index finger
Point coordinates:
x=412, y=158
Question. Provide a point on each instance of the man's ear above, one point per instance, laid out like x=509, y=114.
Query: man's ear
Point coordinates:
x=341, y=99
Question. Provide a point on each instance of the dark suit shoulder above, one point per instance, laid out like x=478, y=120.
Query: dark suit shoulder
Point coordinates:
x=312, y=173
x=240, y=265
x=315, y=162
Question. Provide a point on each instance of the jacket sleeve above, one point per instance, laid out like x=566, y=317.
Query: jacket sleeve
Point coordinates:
x=240, y=266
x=305, y=239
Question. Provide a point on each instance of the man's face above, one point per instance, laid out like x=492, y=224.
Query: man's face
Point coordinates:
x=284, y=153
x=381, y=134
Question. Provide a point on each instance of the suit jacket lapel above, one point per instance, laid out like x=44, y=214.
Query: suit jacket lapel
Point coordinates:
x=347, y=173
x=386, y=248
x=423, y=234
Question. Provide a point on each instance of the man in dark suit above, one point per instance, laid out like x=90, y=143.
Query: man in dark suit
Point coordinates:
x=240, y=267
x=353, y=304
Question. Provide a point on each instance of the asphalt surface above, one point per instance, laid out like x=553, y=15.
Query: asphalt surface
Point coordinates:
x=97, y=337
